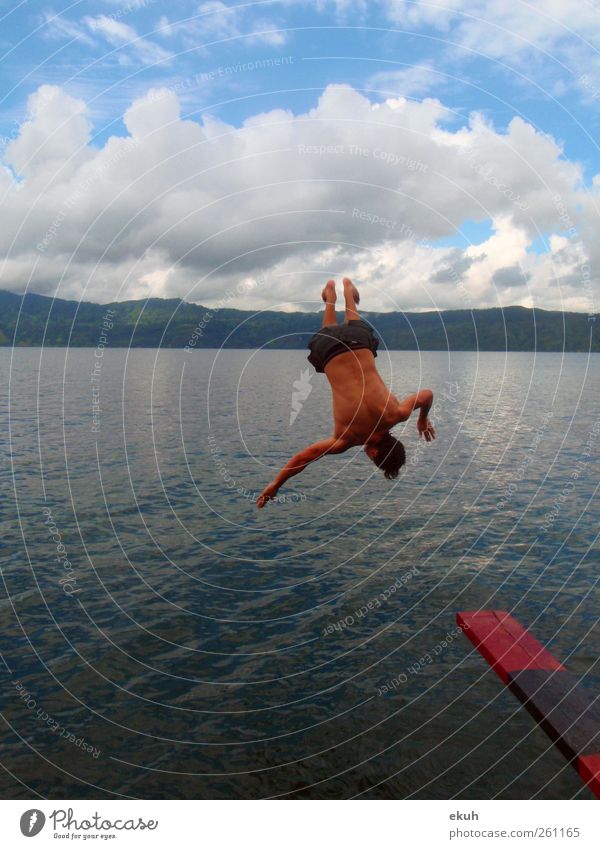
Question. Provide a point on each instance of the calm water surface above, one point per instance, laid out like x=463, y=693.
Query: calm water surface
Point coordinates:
x=202, y=648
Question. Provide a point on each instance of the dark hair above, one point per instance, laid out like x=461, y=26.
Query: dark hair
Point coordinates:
x=391, y=456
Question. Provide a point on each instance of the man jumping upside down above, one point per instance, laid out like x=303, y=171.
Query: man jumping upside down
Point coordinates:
x=364, y=409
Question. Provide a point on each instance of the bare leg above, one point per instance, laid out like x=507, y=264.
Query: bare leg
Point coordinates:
x=352, y=299
x=329, y=296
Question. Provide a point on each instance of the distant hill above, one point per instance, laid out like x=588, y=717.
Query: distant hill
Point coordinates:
x=40, y=320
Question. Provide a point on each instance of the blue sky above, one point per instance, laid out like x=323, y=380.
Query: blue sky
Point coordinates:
x=483, y=64
x=153, y=43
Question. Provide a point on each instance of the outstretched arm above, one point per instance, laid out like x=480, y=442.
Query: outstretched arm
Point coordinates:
x=332, y=445
x=421, y=401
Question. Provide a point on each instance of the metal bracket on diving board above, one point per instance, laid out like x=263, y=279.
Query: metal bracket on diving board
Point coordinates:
x=567, y=711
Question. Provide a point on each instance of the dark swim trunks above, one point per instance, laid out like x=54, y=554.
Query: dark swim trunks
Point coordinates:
x=336, y=339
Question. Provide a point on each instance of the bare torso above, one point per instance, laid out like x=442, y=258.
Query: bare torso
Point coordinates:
x=363, y=406
x=364, y=409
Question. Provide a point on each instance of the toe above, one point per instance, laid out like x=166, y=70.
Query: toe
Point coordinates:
x=355, y=293
x=328, y=293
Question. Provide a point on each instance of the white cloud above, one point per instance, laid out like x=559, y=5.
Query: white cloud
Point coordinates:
x=506, y=248
x=424, y=14
x=188, y=208
x=558, y=34
x=125, y=36
x=58, y=27
x=218, y=20
x=165, y=27
x=553, y=45
x=127, y=6
x=215, y=21
x=412, y=80
x=344, y=10
x=53, y=142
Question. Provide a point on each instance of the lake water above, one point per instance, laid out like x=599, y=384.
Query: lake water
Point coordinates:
x=202, y=648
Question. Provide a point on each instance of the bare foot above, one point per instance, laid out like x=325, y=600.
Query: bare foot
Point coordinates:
x=328, y=294
x=355, y=294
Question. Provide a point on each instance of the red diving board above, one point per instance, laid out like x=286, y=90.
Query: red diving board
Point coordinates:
x=559, y=703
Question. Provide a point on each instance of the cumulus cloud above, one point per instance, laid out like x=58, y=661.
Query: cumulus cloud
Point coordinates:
x=189, y=208
x=52, y=143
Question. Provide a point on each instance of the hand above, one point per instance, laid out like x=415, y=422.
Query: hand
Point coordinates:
x=425, y=429
x=268, y=494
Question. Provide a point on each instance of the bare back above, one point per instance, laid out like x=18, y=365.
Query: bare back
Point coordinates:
x=362, y=404
x=364, y=409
